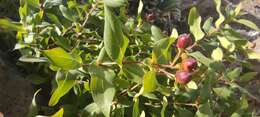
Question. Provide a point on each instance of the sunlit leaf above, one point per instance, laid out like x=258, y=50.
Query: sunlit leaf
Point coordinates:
x=102, y=87
x=192, y=85
x=156, y=33
x=33, y=110
x=7, y=24
x=221, y=18
x=115, y=3
x=161, y=52
x=225, y=43
x=62, y=59
x=248, y=23
x=217, y=54
x=115, y=42
x=201, y=58
x=64, y=86
x=149, y=82
x=235, y=73
x=194, y=23
x=59, y=113
x=223, y=92
x=248, y=76
x=253, y=55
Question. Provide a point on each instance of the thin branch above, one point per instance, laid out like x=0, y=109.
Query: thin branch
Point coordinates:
x=88, y=14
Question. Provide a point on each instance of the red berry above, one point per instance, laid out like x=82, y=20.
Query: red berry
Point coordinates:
x=189, y=64
x=184, y=41
x=183, y=77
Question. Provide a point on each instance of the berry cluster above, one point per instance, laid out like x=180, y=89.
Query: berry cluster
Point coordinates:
x=183, y=76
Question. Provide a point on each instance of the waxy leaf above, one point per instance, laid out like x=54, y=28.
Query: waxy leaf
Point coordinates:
x=7, y=24
x=225, y=43
x=248, y=23
x=59, y=113
x=217, y=54
x=201, y=58
x=67, y=13
x=161, y=51
x=221, y=18
x=156, y=33
x=248, y=76
x=33, y=110
x=204, y=111
x=114, y=41
x=102, y=87
x=62, y=59
x=150, y=82
x=223, y=92
x=253, y=55
x=194, y=23
x=235, y=73
x=65, y=83
x=115, y=3
x=134, y=72
x=207, y=26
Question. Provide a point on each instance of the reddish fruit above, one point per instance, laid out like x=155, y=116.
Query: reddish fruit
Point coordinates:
x=183, y=77
x=184, y=41
x=189, y=64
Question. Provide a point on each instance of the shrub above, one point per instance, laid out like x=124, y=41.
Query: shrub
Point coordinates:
x=102, y=62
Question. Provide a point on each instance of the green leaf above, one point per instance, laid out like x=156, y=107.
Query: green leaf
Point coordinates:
x=54, y=19
x=192, y=85
x=61, y=41
x=238, y=9
x=207, y=26
x=91, y=110
x=59, y=113
x=33, y=110
x=183, y=112
x=133, y=71
x=67, y=13
x=225, y=43
x=139, y=11
x=62, y=59
x=248, y=76
x=136, y=111
x=115, y=3
x=7, y=24
x=115, y=42
x=150, y=82
x=223, y=92
x=248, y=23
x=161, y=52
x=235, y=73
x=204, y=111
x=217, y=54
x=174, y=34
x=51, y=3
x=33, y=59
x=194, y=23
x=165, y=104
x=102, y=87
x=201, y=58
x=156, y=33
x=253, y=55
x=205, y=91
x=64, y=86
x=142, y=114
x=221, y=18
